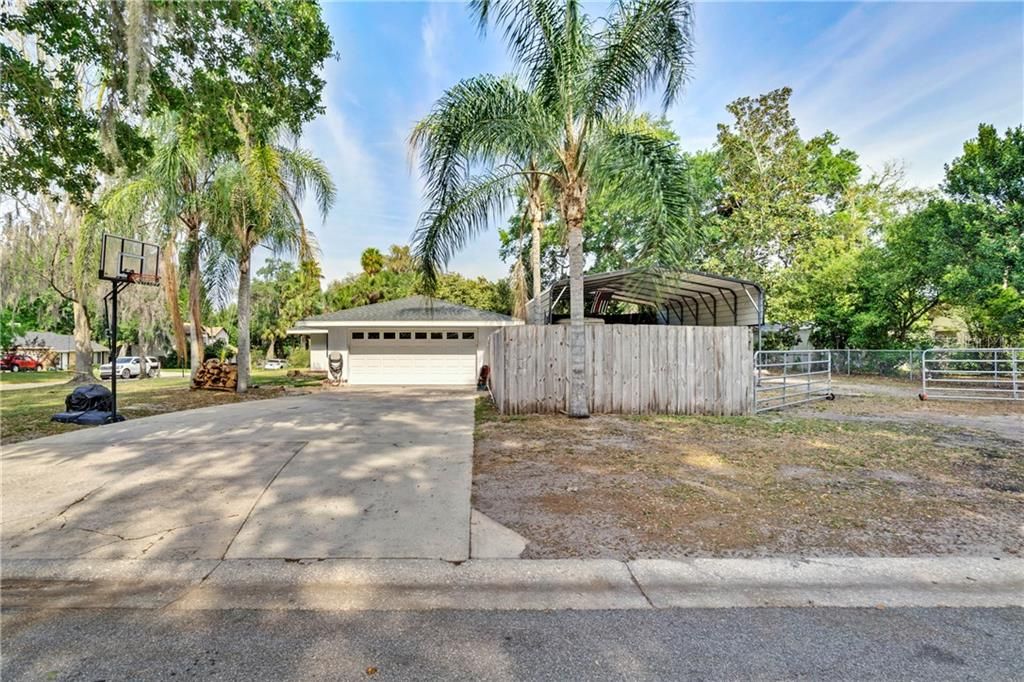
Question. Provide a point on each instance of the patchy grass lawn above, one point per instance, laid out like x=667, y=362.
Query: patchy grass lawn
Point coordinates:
x=33, y=377
x=841, y=478
x=25, y=414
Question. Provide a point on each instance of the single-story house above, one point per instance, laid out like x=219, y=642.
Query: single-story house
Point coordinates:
x=57, y=350
x=414, y=340
x=211, y=335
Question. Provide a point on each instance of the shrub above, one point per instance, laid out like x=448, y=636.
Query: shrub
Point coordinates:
x=299, y=359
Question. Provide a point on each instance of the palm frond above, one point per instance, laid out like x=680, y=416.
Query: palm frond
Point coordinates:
x=484, y=120
x=302, y=172
x=124, y=205
x=646, y=43
x=220, y=269
x=548, y=40
x=647, y=176
x=446, y=228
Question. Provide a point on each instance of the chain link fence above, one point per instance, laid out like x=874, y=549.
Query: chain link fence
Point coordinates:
x=899, y=364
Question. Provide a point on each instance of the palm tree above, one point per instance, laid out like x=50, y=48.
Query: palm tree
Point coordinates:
x=445, y=123
x=372, y=261
x=570, y=116
x=255, y=202
x=171, y=190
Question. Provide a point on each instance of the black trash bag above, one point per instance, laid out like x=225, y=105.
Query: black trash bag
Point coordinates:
x=66, y=417
x=89, y=397
x=95, y=418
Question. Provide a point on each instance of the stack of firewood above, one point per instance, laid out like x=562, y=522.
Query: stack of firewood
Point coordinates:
x=216, y=376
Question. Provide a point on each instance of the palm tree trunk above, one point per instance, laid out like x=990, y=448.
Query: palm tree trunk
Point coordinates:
x=536, y=213
x=574, y=206
x=271, y=351
x=195, y=301
x=171, y=285
x=244, y=300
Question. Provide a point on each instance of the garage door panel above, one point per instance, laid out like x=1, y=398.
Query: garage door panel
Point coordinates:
x=430, y=361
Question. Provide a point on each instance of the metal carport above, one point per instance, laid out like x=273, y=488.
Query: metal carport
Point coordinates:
x=678, y=297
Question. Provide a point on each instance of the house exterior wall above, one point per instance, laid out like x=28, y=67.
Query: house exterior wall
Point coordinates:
x=318, y=352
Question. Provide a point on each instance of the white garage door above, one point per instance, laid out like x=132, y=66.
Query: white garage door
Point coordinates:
x=412, y=357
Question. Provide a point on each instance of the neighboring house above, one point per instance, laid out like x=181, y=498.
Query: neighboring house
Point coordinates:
x=211, y=335
x=414, y=340
x=803, y=334
x=950, y=331
x=57, y=350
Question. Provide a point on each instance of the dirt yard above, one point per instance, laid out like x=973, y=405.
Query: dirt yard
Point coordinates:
x=861, y=476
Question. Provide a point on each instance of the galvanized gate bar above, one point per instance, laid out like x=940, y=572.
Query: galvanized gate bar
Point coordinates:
x=786, y=377
x=972, y=374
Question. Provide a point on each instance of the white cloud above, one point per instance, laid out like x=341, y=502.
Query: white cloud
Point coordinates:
x=434, y=31
x=899, y=81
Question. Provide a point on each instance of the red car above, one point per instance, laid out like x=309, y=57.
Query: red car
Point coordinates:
x=19, y=363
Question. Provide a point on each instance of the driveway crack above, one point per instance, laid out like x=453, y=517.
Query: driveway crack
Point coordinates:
x=260, y=497
x=162, y=531
x=64, y=511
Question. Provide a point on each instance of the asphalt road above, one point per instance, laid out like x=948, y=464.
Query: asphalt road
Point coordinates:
x=814, y=643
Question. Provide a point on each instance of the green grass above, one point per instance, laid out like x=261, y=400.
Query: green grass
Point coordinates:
x=33, y=377
x=279, y=377
x=25, y=414
x=484, y=410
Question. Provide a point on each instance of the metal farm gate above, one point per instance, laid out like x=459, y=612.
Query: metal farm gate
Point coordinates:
x=790, y=377
x=972, y=374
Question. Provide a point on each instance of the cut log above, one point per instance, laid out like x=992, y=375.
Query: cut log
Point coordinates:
x=214, y=375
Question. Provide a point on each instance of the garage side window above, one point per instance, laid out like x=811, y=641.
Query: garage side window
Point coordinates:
x=436, y=335
x=389, y=335
x=373, y=335
x=421, y=335
x=451, y=335
x=357, y=335
x=468, y=335
x=405, y=335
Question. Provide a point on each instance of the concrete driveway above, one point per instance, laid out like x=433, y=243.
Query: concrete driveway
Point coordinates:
x=360, y=473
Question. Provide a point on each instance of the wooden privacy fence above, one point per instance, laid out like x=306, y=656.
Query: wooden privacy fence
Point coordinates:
x=641, y=369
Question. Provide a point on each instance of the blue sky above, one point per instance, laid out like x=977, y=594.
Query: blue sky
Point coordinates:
x=895, y=81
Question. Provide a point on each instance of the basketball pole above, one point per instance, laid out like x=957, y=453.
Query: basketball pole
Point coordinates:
x=113, y=353
x=112, y=335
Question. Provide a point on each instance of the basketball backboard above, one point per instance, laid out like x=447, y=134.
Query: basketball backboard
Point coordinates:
x=129, y=260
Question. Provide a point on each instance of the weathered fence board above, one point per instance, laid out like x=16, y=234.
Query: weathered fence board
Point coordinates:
x=630, y=369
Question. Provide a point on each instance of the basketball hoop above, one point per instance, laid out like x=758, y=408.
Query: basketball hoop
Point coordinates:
x=142, y=278
x=124, y=261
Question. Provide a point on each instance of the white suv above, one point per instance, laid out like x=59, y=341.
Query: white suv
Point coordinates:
x=127, y=367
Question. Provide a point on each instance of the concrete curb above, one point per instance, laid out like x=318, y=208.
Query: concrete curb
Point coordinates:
x=423, y=584
x=836, y=582
x=79, y=583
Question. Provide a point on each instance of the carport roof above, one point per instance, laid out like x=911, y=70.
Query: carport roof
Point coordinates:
x=412, y=309
x=695, y=297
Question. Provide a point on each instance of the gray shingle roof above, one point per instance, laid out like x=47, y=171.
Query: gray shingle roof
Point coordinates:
x=412, y=309
x=61, y=343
